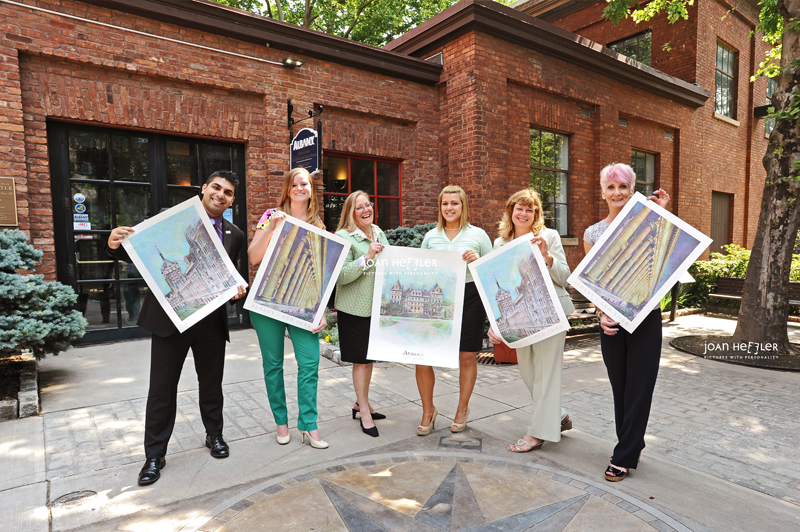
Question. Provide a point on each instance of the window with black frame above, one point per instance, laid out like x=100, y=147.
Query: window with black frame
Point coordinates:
x=772, y=86
x=638, y=47
x=379, y=179
x=644, y=165
x=725, y=80
x=549, y=167
x=105, y=178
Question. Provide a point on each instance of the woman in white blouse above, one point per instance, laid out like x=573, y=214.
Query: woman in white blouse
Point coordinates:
x=454, y=233
x=540, y=363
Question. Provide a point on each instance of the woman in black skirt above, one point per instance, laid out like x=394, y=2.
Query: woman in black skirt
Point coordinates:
x=354, y=298
x=454, y=233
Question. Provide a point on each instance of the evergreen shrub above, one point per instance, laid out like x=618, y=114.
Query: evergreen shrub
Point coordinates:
x=410, y=237
x=35, y=314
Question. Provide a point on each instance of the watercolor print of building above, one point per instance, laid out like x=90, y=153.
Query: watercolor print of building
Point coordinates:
x=416, y=302
x=635, y=261
x=531, y=310
x=296, y=273
x=206, y=276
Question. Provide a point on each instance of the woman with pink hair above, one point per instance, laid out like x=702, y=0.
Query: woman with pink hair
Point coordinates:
x=631, y=359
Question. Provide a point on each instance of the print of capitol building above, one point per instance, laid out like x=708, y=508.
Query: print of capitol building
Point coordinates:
x=297, y=275
x=628, y=272
x=205, y=276
x=531, y=310
x=416, y=302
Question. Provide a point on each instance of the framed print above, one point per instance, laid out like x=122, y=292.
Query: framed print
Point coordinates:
x=184, y=263
x=417, y=306
x=637, y=260
x=298, y=273
x=518, y=293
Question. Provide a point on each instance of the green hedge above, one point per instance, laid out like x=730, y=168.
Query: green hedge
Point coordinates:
x=732, y=264
x=410, y=237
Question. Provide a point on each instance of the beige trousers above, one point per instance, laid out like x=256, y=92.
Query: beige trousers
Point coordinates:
x=540, y=367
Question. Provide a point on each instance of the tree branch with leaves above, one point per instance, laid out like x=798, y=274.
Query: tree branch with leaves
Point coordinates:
x=764, y=312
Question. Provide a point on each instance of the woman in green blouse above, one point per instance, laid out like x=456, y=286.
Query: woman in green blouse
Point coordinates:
x=354, y=298
x=454, y=233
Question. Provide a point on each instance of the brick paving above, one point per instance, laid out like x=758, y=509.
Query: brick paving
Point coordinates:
x=738, y=424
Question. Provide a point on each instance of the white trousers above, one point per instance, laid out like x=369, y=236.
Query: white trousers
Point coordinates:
x=540, y=367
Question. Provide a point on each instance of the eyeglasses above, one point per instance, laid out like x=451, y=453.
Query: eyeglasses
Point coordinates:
x=361, y=208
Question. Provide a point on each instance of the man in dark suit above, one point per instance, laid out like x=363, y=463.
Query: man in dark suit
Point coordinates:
x=169, y=347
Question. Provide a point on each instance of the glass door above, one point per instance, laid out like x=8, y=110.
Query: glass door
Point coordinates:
x=104, y=178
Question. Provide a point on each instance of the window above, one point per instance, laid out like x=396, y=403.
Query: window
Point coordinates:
x=637, y=47
x=342, y=175
x=549, y=158
x=644, y=164
x=772, y=86
x=105, y=178
x=725, y=83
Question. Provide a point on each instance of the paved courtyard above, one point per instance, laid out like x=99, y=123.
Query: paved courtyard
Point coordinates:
x=721, y=451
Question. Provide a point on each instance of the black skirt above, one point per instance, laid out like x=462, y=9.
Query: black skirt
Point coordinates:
x=472, y=321
x=353, y=338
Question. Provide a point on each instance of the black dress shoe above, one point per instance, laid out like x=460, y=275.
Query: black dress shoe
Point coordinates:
x=375, y=415
x=151, y=470
x=372, y=431
x=219, y=449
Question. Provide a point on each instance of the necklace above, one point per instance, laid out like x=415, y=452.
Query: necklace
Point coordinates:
x=453, y=229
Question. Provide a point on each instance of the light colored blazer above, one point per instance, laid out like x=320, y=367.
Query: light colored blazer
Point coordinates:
x=559, y=271
x=357, y=281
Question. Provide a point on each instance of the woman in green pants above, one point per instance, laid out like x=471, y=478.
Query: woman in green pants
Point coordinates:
x=299, y=199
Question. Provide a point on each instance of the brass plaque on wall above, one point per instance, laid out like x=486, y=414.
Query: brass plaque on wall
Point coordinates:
x=8, y=202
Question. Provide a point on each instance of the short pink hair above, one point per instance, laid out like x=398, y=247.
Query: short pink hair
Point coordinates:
x=619, y=173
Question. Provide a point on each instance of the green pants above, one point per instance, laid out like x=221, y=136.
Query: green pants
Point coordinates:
x=306, y=352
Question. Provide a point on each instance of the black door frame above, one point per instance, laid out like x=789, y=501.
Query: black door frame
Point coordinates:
x=58, y=154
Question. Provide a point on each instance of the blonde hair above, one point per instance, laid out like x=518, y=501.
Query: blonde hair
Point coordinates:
x=312, y=214
x=347, y=220
x=454, y=189
x=526, y=197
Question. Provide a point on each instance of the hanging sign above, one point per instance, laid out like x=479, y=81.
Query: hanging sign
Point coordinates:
x=8, y=202
x=303, y=150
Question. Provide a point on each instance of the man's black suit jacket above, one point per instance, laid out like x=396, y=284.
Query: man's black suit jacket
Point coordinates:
x=152, y=316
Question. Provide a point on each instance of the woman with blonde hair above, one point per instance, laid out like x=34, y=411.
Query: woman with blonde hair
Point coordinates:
x=539, y=363
x=631, y=359
x=299, y=199
x=454, y=233
x=354, y=290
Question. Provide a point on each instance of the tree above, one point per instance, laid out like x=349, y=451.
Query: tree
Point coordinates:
x=34, y=314
x=764, y=312
x=374, y=22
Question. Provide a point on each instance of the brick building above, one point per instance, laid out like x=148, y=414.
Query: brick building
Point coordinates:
x=114, y=109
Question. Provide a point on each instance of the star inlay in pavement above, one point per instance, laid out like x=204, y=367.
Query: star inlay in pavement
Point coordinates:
x=433, y=494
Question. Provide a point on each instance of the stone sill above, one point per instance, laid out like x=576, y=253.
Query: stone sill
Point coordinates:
x=726, y=119
x=565, y=241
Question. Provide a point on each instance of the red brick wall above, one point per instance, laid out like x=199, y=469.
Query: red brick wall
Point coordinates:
x=72, y=70
x=519, y=88
x=679, y=61
x=728, y=156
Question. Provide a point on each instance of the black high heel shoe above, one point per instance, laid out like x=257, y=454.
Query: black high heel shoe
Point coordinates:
x=372, y=431
x=375, y=415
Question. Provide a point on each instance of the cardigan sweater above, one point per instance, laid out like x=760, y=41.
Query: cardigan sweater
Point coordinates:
x=356, y=282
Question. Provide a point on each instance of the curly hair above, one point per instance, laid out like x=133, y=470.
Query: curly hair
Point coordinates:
x=526, y=197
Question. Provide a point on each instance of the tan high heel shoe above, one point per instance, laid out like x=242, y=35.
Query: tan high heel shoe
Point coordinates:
x=424, y=430
x=460, y=427
x=321, y=444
